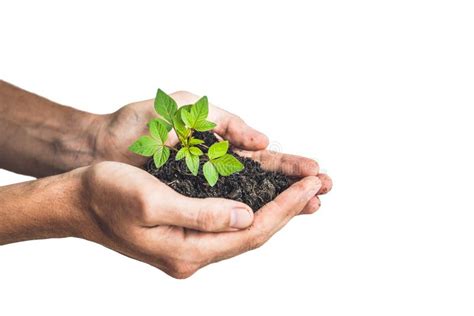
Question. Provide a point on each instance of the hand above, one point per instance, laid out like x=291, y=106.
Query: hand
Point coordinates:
x=131, y=212
x=120, y=129
x=66, y=139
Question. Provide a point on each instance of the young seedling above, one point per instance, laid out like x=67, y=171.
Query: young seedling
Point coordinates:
x=220, y=163
x=185, y=121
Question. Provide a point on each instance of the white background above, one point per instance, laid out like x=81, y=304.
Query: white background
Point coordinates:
x=379, y=92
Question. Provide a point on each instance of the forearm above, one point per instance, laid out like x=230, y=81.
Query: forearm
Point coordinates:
x=47, y=208
x=39, y=137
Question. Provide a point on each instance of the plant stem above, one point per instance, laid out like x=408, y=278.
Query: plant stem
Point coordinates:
x=171, y=147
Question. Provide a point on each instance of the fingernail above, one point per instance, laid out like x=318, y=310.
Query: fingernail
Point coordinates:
x=240, y=218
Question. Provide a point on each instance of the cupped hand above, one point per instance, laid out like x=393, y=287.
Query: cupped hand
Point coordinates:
x=120, y=129
x=131, y=212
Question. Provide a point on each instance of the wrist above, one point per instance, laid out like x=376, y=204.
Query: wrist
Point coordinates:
x=96, y=137
x=76, y=144
x=70, y=212
x=40, y=137
x=52, y=207
x=74, y=218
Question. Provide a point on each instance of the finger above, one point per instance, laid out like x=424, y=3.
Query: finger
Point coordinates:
x=326, y=183
x=315, y=203
x=234, y=129
x=312, y=206
x=268, y=220
x=275, y=214
x=290, y=165
x=208, y=215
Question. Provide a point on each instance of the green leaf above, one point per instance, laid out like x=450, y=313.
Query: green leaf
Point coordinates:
x=186, y=107
x=204, y=126
x=227, y=165
x=179, y=126
x=200, y=110
x=192, y=162
x=181, y=153
x=196, y=114
x=145, y=146
x=165, y=105
x=218, y=149
x=195, y=151
x=178, y=121
x=158, y=131
x=161, y=156
x=195, y=141
x=165, y=123
x=210, y=173
x=187, y=118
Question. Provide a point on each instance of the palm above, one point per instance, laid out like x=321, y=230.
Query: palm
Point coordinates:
x=130, y=122
x=147, y=220
x=123, y=128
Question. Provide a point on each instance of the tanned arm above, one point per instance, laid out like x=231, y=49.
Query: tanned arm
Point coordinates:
x=39, y=137
x=123, y=207
x=45, y=208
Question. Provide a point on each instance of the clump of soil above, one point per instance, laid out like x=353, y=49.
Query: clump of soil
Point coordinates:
x=252, y=186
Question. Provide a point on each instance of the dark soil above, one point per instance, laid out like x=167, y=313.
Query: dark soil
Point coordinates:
x=252, y=186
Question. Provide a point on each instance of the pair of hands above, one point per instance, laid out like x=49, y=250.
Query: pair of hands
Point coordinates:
x=132, y=212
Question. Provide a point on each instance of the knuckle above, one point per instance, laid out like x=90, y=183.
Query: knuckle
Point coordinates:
x=181, y=93
x=143, y=207
x=300, y=186
x=313, y=165
x=182, y=271
x=238, y=119
x=94, y=172
x=236, y=122
x=184, y=97
x=144, y=216
x=96, y=176
x=183, y=265
x=205, y=219
x=184, y=260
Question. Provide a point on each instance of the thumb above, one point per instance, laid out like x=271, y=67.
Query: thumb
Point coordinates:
x=209, y=214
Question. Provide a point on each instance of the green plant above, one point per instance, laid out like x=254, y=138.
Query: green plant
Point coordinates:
x=185, y=121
